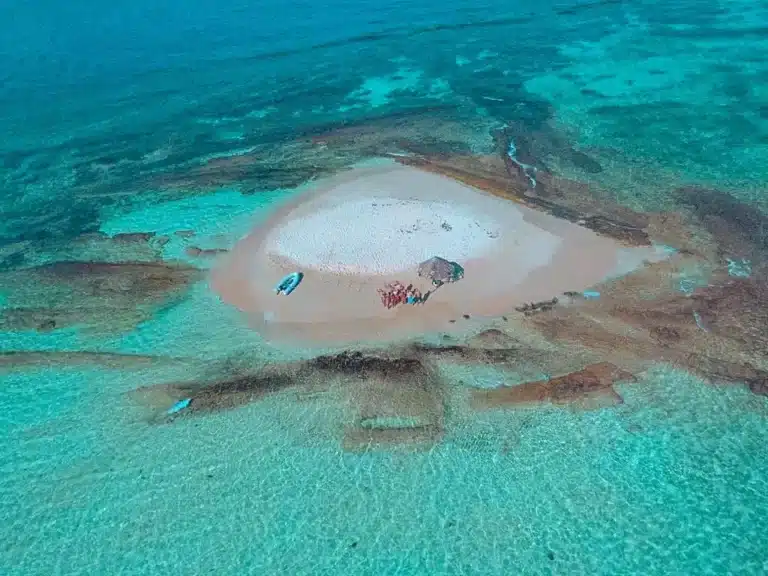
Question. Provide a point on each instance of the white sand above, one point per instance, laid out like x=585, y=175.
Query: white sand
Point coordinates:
x=385, y=235
x=356, y=232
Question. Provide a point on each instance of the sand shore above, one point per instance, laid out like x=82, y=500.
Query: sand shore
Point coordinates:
x=356, y=232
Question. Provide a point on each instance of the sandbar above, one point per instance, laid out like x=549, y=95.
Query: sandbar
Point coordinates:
x=355, y=232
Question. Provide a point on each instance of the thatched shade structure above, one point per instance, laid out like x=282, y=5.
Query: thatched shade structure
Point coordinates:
x=440, y=270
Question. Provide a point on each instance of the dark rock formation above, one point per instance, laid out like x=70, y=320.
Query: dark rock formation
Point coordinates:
x=741, y=230
x=759, y=385
x=719, y=332
x=737, y=310
x=196, y=252
x=233, y=392
x=367, y=366
x=535, y=307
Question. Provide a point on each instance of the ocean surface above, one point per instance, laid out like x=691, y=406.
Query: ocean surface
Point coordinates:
x=139, y=136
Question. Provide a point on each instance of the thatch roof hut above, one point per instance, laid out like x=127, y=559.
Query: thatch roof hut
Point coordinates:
x=440, y=270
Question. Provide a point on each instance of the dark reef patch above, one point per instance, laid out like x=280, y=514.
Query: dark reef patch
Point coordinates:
x=49, y=220
x=234, y=392
x=366, y=366
x=396, y=400
x=759, y=385
x=585, y=162
x=590, y=92
x=532, y=308
x=741, y=230
x=737, y=310
x=103, y=296
x=92, y=246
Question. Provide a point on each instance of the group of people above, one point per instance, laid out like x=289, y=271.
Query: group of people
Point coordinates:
x=396, y=293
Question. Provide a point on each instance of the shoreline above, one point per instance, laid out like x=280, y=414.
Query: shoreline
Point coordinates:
x=533, y=257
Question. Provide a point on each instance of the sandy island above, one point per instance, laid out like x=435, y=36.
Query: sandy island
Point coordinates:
x=356, y=232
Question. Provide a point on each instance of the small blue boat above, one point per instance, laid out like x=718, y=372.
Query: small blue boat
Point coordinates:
x=289, y=283
x=179, y=406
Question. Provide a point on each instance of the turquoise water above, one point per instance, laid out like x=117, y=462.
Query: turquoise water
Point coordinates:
x=160, y=120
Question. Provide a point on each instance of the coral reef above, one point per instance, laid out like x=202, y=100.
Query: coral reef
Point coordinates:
x=740, y=230
x=588, y=383
x=362, y=365
x=399, y=398
x=89, y=247
x=716, y=329
x=103, y=296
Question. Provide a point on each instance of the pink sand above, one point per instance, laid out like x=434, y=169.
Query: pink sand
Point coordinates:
x=354, y=233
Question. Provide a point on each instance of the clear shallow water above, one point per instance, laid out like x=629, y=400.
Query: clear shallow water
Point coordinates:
x=98, y=102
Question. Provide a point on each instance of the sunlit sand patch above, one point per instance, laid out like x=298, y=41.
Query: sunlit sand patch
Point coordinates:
x=395, y=411
x=359, y=231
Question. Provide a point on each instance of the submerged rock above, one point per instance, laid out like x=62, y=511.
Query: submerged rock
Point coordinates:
x=103, y=296
x=759, y=385
x=365, y=366
x=719, y=331
x=594, y=380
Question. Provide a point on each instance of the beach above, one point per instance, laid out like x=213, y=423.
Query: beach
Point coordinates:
x=352, y=234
